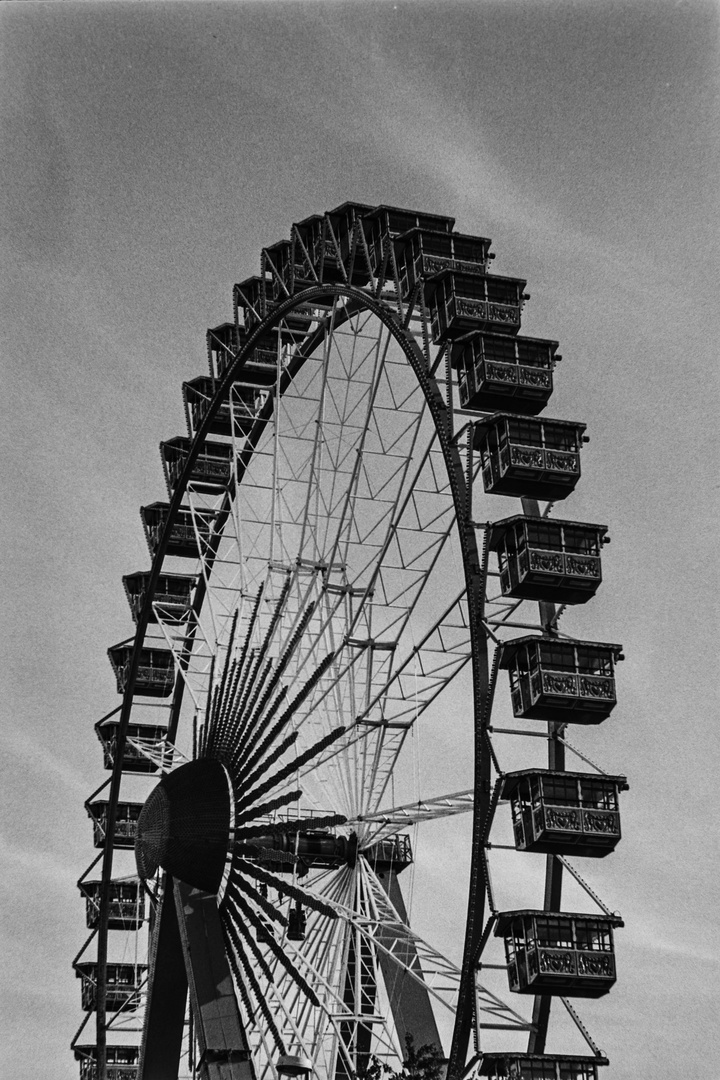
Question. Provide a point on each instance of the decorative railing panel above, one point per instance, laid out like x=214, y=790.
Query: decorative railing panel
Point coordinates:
x=597, y=686
x=583, y=565
x=559, y=683
x=435, y=264
x=547, y=562
x=555, y=562
x=484, y=311
x=601, y=965
x=526, y=457
x=209, y=469
x=562, y=819
x=532, y=376
x=576, y=819
x=562, y=461
x=557, y=961
x=165, y=601
x=148, y=676
x=171, y=600
x=89, y=1071
x=181, y=534
x=502, y=373
x=263, y=358
x=606, y=822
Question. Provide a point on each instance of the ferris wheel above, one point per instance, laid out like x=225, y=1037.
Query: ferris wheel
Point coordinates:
x=319, y=652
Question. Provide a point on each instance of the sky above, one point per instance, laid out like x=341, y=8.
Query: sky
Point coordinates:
x=150, y=151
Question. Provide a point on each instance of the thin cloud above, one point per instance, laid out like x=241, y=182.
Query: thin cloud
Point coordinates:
x=40, y=757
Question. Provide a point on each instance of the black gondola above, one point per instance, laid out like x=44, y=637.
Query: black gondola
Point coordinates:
x=134, y=761
x=126, y=904
x=314, y=251
x=189, y=528
x=502, y=371
x=122, y=1062
x=126, y=820
x=122, y=985
x=155, y=674
x=421, y=253
x=460, y=303
x=558, y=813
x=558, y=952
x=250, y=302
x=522, y=1066
x=345, y=221
x=254, y=300
x=520, y=455
x=258, y=372
x=556, y=679
x=238, y=411
x=223, y=343
x=384, y=223
x=173, y=594
x=285, y=270
x=198, y=395
x=548, y=559
x=212, y=469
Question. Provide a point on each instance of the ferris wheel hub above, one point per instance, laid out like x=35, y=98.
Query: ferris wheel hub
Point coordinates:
x=184, y=826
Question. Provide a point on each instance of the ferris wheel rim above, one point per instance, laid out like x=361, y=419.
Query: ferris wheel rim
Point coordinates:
x=357, y=301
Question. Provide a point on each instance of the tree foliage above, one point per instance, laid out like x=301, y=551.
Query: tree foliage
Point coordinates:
x=424, y=1063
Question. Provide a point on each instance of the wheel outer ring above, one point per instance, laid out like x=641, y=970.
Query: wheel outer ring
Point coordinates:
x=474, y=579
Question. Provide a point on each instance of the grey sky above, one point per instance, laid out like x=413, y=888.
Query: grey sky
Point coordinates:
x=150, y=150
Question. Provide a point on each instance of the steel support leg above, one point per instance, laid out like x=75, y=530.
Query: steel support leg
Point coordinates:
x=223, y=1047
x=409, y=1001
x=167, y=995
x=359, y=995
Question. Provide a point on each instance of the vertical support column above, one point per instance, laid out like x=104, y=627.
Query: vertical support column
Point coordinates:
x=167, y=995
x=553, y=867
x=409, y=1001
x=475, y=580
x=359, y=996
x=224, y=1050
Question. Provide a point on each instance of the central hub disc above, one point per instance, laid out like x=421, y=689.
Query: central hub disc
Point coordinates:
x=184, y=826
